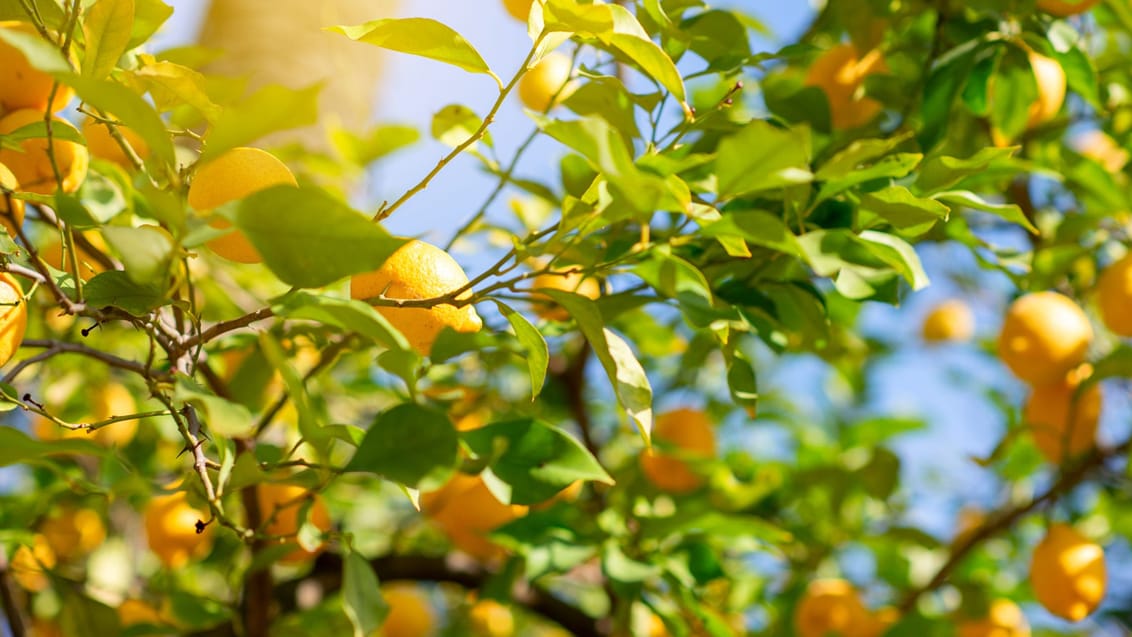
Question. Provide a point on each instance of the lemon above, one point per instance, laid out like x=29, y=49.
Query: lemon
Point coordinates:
x=410, y=614
x=1067, y=573
x=519, y=9
x=575, y=282
x=13, y=316
x=692, y=434
x=547, y=83
x=830, y=607
x=29, y=564
x=102, y=144
x=840, y=73
x=418, y=270
x=1051, y=89
x=279, y=507
x=489, y=618
x=1047, y=414
x=170, y=529
x=11, y=209
x=951, y=320
x=1004, y=619
x=466, y=510
x=1114, y=296
x=1101, y=148
x=73, y=532
x=232, y=176
x=1044, y=335
x=31, y=165
x=22, y=85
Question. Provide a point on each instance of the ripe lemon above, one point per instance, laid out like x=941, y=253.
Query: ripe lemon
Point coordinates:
x=103, y=146
x=418, y=270
x=539, y=85
x=1051, y=89
x=877, y=623
x=693, y=435
x=1114, y=296
x=410, y=614
x=830, y=607
x=11, y=216
x=1004, y=619
x=1047, y=414
x=234, y=175
x=32, y=165
x=489, y=618
x=29, y=564
x=23, y=86
x=1101, y=148
x=52, y=255
x=1064, y=8
x=280, y=505
x=575, y=282
x=13, y=316
x=951, y=320
x=840, y=73
x=132, y=612
x=519, y=9
x=106, y=400
x=170, y=529
x=466, y=510
x=1044, y=335
x=1067, y=573
x=72, y=532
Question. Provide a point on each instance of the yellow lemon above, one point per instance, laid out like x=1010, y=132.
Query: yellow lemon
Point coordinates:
x=32, y=165
x=72, y=532
x=519, y=9
x=951, y=320
x=1044, y=335
x=547, y=83
x=1051, y=89
x=102, y=144
x=234, y=175
x=1114, y=296
x=410, y=614
x=22, y=85
x=692, y=434
x=466, y=510
x=418, y=270
x=30, y=563
x=840, y=73
x=1067, y=573
x=170, y=529
x=1004, y=619
x=1101, y=148
x=13, y=316
x=1048, y=410
x=132, y=612
x=574, y=282
x=11, y=209
x=489, y=618
x=830, y=607
x=280, y=505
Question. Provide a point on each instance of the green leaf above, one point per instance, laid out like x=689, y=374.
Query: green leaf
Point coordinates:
x=71, y=209
x=407, y=444
x=146, y=252
x=862, y=151
x=1015, y=89
x=173, y=85
x=742, y=381
x=310, y=425
x=630, y=383
x=606, y=97
x=941, y=171
x=761, y=156
x=538, y=355
x=361, y=596
x=941, y=89
x=678, y=279
x=220, y=416
x=755, y=227
x=1007, y=211
x=900, y=255
x=418, y=36
x=536, y=459
x=270, y=109
x=309, y=238
x=16, y=447
x=346, y=314
x=898, y=206
x=41, y=54
x=148, y=17
x=129, y=108
x=365, y=148
x=115, y=288
x=455, y=124
x=623, y=569
x=108, y=26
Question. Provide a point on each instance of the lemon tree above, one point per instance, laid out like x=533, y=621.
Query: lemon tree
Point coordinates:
x=734, y=331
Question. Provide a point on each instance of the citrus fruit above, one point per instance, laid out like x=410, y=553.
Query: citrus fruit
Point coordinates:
x=52, y=255
x=547, y=83
x=519, y=9
x=29, y=564
x=1114, y=296
x=418, y=270
x=840, y=73
x=1067, y=573
x=1101, y=148
x=106, y=400
x=234, y=175
x=1064, y=8
x=830, y=607
x=1051, y=89
x=691, y=434
x=575, y=282
x=22, y=85
x=951, y=320
x=170, y=529
x=489, y=618
x=280, y=505
x=11, y=209
x=410, y=614
x=32, y=164
x=466, y=510
x=1004, y=619
x=102, y=144
x=132, y=612
x=13, y=316
x=1061, y=427
x=1044, y=335
x=73, y=532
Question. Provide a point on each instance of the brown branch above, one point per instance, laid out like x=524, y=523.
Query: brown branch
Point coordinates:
x=1070, y=478
x=223, y=327
x=258, y=600
x=54, y=348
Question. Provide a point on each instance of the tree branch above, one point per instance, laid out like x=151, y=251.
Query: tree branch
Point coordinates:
x=54, y=348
